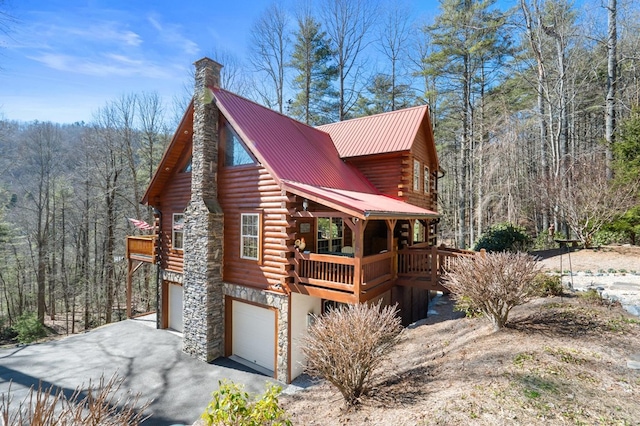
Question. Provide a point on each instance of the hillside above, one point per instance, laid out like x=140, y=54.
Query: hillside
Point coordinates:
x=562, y=360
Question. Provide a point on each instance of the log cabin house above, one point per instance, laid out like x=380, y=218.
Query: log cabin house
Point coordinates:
x=264, y=222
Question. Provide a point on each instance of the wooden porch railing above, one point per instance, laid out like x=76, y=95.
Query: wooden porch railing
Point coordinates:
x=341, y=278
x=349, y=279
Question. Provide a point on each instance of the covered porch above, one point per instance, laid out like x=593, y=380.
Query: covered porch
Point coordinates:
x=359, y=279
x=357, y=246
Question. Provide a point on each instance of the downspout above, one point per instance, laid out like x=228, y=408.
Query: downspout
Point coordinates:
x=158, y=262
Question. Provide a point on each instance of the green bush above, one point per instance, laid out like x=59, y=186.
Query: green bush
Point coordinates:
x=504, y=237
x=29, y=328
x=604, y=238
x=548, y=285
x=626, y=228
x=6, y=332
x=231, y=405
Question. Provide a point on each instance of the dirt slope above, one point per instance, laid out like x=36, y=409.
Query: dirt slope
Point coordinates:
x=561, y=361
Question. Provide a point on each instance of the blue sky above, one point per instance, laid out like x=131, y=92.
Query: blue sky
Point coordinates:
x=64, y=59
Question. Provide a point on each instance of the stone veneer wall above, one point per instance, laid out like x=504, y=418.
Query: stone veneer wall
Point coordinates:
x=281, y=303
x=203, y=311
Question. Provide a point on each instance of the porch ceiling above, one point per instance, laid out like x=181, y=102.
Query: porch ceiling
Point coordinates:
x=359, y=204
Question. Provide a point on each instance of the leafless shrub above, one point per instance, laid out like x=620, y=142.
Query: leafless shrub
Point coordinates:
x=493, y=283
x=101, y=405
x=347, y=345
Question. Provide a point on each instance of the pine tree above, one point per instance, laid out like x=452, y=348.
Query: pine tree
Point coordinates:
x=311, y=59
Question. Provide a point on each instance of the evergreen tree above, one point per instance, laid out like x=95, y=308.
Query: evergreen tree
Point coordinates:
x=311, y=59
x=384, y=96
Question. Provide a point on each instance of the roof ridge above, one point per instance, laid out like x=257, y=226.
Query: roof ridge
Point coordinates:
x=264, y=107
x=373, y=116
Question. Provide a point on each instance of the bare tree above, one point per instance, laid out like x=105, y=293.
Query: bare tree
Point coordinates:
x=591, y=200
x=394, y=40
x=39, y=155
x=612, y=65
x=269, y=54
x=348, y=23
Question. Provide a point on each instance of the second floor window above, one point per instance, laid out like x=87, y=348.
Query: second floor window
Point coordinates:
x=177, y=231
x=235, y=153
x=249, y=235
x=416, y=175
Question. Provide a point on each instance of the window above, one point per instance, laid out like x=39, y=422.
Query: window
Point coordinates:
x=187, y=167
x=418, y=232
x=235, y=153
x=249, y=235
x=427, y=184
x=330, y=234
x=416, y=175
x=177, y=231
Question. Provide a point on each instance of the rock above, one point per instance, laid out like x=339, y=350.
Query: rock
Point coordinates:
x=634, y=362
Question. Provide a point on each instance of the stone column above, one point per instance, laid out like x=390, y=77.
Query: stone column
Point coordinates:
x=203, y=335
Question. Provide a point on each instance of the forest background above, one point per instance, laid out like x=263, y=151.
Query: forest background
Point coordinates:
x=534, y=109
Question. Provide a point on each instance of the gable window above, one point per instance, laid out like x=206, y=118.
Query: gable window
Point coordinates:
x=249, y=235
x=330, y=233
x=177, y=231
x=235, y=153
x=416, y=175
x=187, y=167
x=427, y=183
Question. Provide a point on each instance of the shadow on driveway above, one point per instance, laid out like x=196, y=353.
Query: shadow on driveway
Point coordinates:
x=150, y=361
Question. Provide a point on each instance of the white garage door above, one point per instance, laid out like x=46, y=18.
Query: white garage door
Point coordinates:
x=175, y=307
x=253, y=334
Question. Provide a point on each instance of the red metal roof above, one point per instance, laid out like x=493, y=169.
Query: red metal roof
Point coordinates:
x=290, y=150
x=359, y=204
x=376, y=134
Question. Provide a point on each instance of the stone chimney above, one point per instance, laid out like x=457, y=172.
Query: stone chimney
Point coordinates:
x=203, y=334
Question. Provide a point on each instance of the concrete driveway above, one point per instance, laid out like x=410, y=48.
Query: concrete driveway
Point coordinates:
x=150, y=361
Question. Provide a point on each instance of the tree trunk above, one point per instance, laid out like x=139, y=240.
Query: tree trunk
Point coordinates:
x=612, y=64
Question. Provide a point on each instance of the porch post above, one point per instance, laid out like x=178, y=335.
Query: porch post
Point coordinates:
x=129, y=279
x=392, y=247
x=435, y=268
x=357, y=258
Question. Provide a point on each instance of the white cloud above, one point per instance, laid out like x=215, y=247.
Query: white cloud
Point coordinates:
x=104, y=65
x=172, y=34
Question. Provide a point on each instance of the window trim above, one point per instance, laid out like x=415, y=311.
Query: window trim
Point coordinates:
x=175, y=231
x=258, y=237
x=416, y=175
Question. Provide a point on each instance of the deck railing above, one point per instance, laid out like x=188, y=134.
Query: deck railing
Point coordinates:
x=141, y=247
x=351, y=276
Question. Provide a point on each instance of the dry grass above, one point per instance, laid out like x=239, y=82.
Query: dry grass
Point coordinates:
x=559, y=361
x=101, y=404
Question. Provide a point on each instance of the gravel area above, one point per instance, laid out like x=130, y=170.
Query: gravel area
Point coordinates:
x=613, y=271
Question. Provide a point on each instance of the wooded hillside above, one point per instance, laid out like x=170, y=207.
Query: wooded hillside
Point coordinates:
x=534, y=110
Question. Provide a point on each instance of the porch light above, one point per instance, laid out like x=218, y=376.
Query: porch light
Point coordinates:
x=305, y=204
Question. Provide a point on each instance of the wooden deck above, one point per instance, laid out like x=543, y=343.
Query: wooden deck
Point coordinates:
x=140, y=249
x=352, y=280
